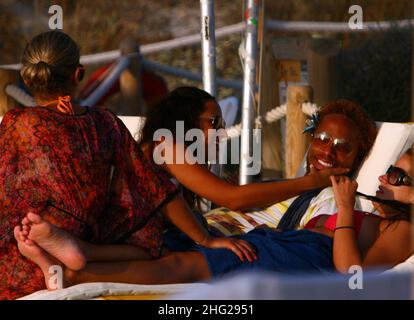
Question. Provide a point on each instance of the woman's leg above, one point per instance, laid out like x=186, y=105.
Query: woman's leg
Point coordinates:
x=173, y=268
x=72, y=252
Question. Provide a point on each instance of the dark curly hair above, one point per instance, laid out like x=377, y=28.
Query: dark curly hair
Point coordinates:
x=182, y=104
x=356, y=114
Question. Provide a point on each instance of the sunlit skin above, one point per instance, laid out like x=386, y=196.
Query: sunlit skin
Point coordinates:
x=324, y=157
x=211, y=109
x=387, y=191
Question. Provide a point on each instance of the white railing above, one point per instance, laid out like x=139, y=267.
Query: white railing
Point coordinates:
x=313, y=26
x=288, y=26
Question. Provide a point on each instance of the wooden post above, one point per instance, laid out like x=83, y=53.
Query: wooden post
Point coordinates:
x=272, y=165
x=6, y=102
x=130, y=82
x=322, y=69
x=296, y=142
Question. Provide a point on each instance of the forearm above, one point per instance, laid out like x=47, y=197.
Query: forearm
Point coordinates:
x=202, y=182
x=183, y=218
x=267, y=193
x=346, y=252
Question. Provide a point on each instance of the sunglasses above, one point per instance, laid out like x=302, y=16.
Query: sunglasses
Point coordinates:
x=397, y=177
x=323, y=139
x=217, y=122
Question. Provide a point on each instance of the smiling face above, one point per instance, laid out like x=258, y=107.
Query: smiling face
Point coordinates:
x=323, y=155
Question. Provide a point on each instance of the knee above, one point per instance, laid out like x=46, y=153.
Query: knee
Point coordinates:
x=70, y=277
x=188, y=266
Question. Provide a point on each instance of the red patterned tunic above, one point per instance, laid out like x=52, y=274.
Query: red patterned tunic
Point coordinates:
x=83, y=173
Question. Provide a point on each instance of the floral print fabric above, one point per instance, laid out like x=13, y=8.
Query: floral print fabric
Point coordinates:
x=83, y=173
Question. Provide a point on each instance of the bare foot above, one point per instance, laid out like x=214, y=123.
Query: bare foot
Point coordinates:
x=49, y=265
x=54, y=241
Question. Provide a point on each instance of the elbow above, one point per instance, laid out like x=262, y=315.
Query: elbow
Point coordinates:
x=235, y=199
x=342, y=269
x=348, y=267
x=235, y=204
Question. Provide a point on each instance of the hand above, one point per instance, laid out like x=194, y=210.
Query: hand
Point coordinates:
x=239, y=247
x=404, y=194
x=344, y=191
x=322, y=177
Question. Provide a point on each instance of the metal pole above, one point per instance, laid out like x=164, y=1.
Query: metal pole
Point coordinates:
x=249, y=89
x=208, y=46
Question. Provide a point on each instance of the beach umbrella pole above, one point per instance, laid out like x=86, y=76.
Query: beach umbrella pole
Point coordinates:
x=249, y=89
x=208, y=46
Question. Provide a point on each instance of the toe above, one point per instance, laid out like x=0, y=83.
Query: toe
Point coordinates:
x=25, y=221
x=29, y=242
x=17, y=233
x=34, y=218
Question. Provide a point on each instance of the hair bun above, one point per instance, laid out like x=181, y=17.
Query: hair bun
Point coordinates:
x=37, y=74
x=42, y=63
x=48, y=63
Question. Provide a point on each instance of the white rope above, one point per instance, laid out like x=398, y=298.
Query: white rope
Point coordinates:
x=273, y=115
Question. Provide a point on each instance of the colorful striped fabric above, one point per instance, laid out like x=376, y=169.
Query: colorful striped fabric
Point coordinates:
x=230, y=222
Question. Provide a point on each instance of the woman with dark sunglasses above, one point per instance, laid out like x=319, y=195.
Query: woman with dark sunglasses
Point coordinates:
x=199, y=110
x=384, y=240
x=396, y=183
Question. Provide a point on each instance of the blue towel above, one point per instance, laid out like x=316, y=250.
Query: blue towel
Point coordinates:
x=290, y=252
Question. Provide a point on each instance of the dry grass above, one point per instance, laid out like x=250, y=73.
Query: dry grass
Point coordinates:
x=100, y=25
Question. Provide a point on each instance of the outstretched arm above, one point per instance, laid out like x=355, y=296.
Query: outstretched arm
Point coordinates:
x=201, y=181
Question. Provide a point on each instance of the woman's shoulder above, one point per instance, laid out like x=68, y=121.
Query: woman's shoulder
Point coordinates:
x=21, y=115
x=395, y=226
x=106, y=115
